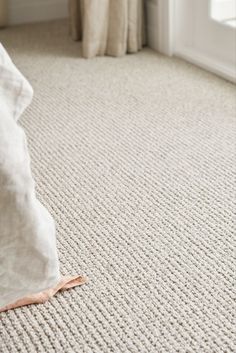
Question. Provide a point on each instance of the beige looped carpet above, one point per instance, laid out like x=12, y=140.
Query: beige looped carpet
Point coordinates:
x=135, y=159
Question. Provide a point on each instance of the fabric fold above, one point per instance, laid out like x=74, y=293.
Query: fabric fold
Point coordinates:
x=28, y=253
x=108, y=27
x=65, y=283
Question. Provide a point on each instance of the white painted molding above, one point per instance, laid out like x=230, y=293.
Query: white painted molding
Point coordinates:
x=166, y=22
x=199, y=40
x=207, y=63
x=26, y=11
x=160, y=25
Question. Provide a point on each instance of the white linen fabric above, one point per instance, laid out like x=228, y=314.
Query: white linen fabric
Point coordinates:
x=28, y=255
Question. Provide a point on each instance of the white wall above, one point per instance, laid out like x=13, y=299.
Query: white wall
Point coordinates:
x=23, y=11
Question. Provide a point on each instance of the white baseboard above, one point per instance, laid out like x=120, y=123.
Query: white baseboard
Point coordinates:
x=226, y=71
x=27, y=11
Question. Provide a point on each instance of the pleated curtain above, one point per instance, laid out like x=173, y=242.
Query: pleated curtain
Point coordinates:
x=108, y=27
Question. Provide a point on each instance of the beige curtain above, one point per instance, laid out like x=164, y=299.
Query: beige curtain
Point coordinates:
x=108, y=27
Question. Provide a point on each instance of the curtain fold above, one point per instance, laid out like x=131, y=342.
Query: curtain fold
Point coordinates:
x=108, y=27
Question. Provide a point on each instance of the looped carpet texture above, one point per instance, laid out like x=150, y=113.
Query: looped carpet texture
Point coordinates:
x=135, y=159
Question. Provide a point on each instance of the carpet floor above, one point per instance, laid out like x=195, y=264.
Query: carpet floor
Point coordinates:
x=135, y=159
